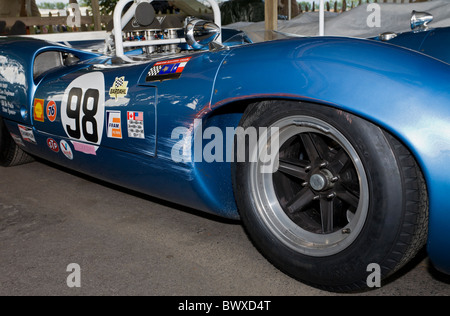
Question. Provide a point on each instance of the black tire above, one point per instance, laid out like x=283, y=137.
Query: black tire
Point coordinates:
x=10, y=153
x=346, y=195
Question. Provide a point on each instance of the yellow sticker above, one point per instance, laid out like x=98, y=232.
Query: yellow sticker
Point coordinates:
x=119, y=88
x=38, y=112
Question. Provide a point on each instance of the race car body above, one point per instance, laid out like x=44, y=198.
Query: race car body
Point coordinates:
x=355, y=171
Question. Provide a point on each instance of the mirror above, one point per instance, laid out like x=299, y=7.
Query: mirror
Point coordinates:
x=420, y=20
x=200, y=33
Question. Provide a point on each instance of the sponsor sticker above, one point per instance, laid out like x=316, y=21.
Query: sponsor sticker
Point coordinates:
x=114, y=124
x=66, y=149
x=51, y=111
x=135, y=125
x=38, y=110
x=27, y=134
x=119, y=88
x=167, y=70
x=53, y=145
x=85, y=148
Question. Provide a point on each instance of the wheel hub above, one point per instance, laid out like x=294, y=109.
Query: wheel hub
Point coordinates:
x=321, y=180
x=318, y=182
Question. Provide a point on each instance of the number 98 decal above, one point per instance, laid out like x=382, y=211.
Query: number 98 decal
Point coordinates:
x=83, y=108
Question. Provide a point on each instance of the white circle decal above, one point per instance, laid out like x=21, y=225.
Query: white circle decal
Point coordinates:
x=66, y=149
x=83, y=108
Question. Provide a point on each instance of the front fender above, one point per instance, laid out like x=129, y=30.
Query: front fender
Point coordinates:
x=404, y=92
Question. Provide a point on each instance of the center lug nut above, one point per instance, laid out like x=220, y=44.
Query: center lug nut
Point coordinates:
x=322, y=180
x=318, y=182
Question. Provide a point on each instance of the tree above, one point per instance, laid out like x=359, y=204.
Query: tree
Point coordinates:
x=60, y=6
x=106, y=6
x=242, y=11
x=52, y=6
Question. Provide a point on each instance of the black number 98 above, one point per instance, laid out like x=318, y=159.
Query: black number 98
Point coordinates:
x=83, y=116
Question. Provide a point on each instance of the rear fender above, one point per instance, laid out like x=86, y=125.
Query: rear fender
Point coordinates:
x=402, y=91
x=17, y=82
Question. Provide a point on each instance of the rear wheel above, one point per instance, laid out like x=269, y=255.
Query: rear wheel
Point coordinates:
x=342, y=195
x=10, y=153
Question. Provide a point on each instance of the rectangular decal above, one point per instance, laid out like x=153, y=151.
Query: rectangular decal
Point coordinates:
x=135, y=125
x=167, y=70
x=27, y=134
x=38, y=110
x=114, y=124
x=85, y=148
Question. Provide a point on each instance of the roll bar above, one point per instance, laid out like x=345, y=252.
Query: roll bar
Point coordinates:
x=120, y=21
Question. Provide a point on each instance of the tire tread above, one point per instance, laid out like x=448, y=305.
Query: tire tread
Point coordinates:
x=10, y=153
x=414, y=233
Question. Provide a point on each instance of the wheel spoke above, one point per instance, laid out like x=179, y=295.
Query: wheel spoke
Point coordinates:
x=348, y=196
x=321, y=146
x=300, y=201
x=327, y=214
x=340, y=160
x=294, y=168
x=310, y=147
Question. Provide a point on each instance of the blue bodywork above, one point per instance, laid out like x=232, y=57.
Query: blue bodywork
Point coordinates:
x=405, y=92
x=427, y=42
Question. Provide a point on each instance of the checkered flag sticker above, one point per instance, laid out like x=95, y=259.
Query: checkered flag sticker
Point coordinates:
x=119, y=88
x=155, y=71
x=119, y=82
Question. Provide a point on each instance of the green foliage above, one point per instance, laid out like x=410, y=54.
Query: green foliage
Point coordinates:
x=242, y=10
x=52, y=6
x=106, y=6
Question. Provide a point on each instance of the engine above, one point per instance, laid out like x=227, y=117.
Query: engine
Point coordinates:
x=148, y=28
x=139, y=29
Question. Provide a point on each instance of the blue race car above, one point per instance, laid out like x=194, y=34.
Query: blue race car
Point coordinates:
x=332, y=151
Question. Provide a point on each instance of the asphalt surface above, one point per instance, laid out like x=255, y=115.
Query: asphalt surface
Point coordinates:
x=129, y=244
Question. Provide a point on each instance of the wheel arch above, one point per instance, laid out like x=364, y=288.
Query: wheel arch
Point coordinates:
x=235, y=108
x=239, y=106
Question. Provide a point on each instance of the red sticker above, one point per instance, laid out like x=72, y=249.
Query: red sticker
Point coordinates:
x=182, y=61
x=53, y=145
x=51, y=111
